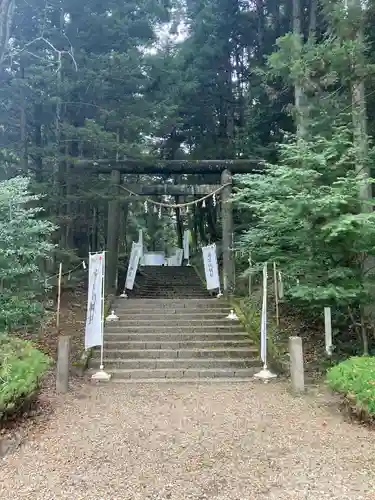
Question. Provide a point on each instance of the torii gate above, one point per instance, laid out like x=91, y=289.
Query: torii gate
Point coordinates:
x=224, y=168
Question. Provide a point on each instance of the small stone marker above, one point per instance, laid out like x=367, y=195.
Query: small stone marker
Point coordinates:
x=62, y=369
x=296, y=364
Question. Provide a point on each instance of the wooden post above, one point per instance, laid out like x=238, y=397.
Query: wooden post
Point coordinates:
x=62, y=369
x=59, y=297
x=328, y=330
x=113, y=229
x=227, y=226
x=296, y=364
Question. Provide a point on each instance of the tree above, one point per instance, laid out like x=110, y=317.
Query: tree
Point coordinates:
x=24, y=248
x=6, y=18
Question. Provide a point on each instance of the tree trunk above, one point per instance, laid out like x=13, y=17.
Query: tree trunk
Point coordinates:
x=6, y=18
x=299, y=97
x=113, y=232
x=359, y=115
x=39, y=174
x=23, y=124
x=179, y=225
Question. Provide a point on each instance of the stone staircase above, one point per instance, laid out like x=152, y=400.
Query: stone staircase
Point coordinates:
x=168, y=282
x=170, y=330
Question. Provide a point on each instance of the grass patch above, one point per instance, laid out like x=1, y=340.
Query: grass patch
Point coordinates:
x=21, y=369
x=354, y=379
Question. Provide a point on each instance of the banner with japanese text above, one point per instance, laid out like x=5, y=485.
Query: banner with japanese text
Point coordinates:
x=211, y=267
x=94, y=318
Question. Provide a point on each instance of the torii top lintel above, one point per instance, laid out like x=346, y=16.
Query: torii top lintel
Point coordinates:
x=155, y=166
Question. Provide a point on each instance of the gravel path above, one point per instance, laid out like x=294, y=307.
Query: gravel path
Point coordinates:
x=222, y=442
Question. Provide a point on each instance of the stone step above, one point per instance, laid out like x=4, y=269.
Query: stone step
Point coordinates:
x=177, y=373
x=139, y=313
x=174, y=292
x=170, y=320
x=163, y=286
x=174, y=337
x=171, y=294
x=175, y=363
x=213, y=352
x=163, y=281
x=185, y=381
x=142, y=318
x=182, y=289
x=132, y=305
x=171, y=280
x=175, y=303
x=172, y=328
x=176, y=345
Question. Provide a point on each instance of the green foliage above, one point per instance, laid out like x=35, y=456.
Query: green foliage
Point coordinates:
x=308, y=220
x=354, y=378
x=21, y=369
x=24, y=247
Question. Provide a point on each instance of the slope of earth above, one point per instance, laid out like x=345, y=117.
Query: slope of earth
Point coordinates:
x=222, y=442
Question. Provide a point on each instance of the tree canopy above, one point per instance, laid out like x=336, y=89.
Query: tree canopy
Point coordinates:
x=290, y=83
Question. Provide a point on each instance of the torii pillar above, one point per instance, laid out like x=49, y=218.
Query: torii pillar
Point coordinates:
x=227, y=228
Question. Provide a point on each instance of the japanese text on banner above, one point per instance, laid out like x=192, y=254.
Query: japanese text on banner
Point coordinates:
x=211, y=268
x=94, y=319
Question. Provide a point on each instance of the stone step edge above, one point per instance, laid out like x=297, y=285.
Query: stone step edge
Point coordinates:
x=171, y=320
x=129, y=371
x=251, y=348
x=193, y=361
x=215, y=335
x=188, y=345
x=170, y=326
x=176, y=381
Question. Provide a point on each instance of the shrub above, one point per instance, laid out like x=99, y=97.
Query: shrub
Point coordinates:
x=21, y=368
x=355, y=379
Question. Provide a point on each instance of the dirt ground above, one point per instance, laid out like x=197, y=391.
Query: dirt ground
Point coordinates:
x=224, y=442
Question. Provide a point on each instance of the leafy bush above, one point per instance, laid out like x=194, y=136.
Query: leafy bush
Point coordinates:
x=355, y=379
x=21, y=368
x=24, y=247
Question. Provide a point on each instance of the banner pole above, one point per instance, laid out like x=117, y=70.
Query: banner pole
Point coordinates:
x=101, y=374
x=102, y=322
x=265, y=374
x=276, y=291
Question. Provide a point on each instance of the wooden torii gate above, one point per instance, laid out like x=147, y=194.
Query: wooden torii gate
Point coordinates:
x=215, y=168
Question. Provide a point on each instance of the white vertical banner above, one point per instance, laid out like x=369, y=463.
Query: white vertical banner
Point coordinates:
x=187, y=245
x=263, y=324
x=133, y=265
x=94, y=318
x=211, y=268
